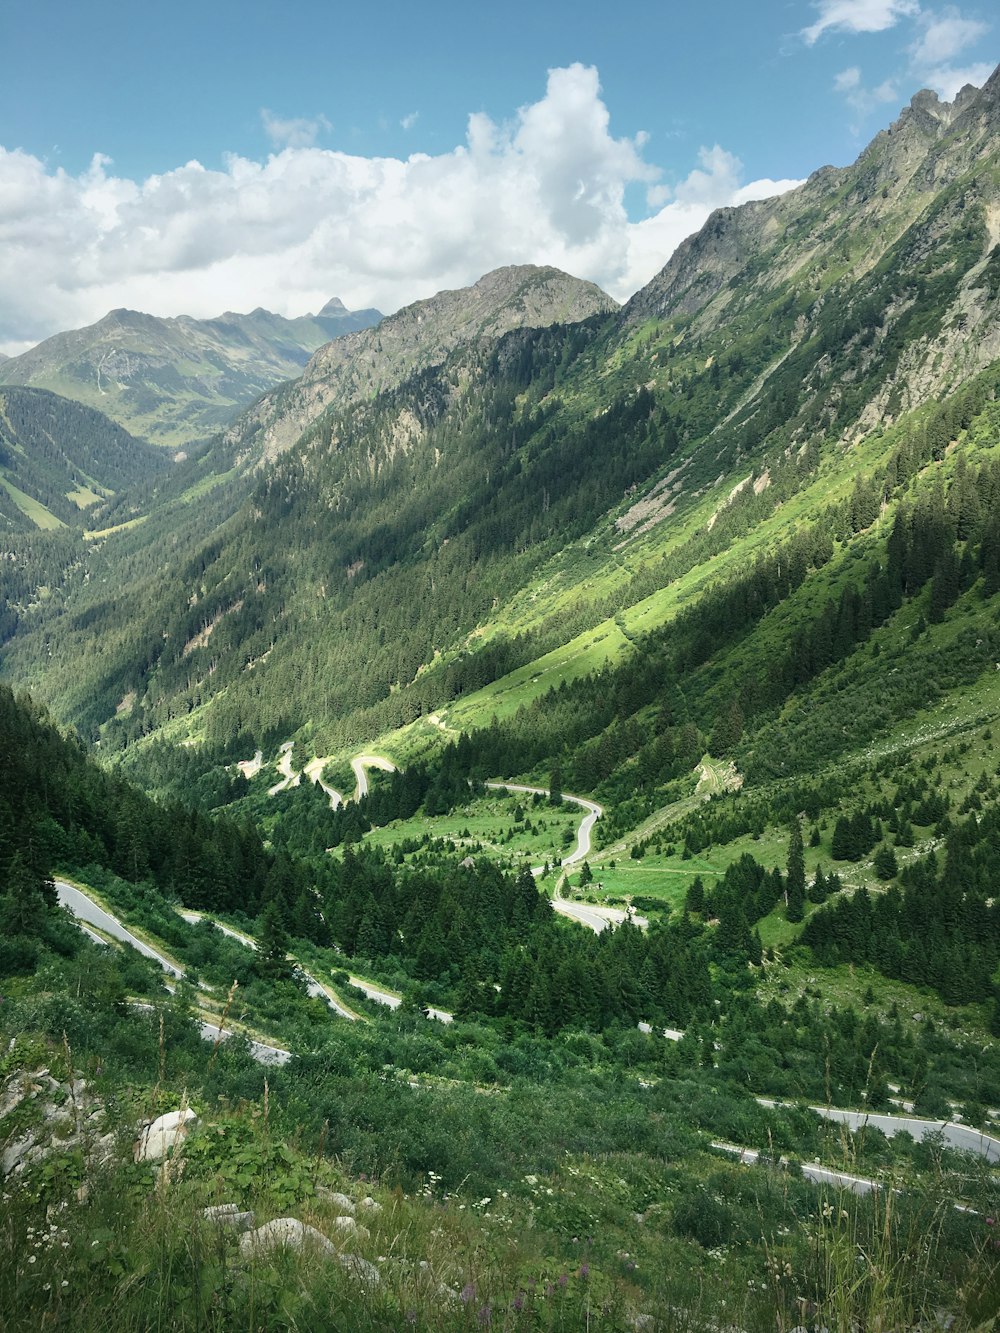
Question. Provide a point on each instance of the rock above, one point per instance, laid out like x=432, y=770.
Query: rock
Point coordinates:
x=285, y=1233
x=228, y=1217
x=335, y=1200
x=348, y=1227
x=166, y=1133
x=16, y=1154
x=365, y=1272
x=368, y=1205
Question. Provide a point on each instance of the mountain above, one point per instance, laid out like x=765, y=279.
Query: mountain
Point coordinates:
x=176, y=381
x=419, y=336
x=59, y=459
x=728, y=562
x=460, y=491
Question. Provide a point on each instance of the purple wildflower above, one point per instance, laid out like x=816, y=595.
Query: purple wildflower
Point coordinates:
x=563, y=1279
x=485, y=1317
x=468, y=1293
x=584, y=1271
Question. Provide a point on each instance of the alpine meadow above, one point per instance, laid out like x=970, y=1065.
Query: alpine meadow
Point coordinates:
x=500, y=801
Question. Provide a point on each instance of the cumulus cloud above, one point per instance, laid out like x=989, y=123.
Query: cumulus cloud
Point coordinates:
x=943, y=38
x=309, y=223
x=948, y=80
x=408, y=121
x=857, y=16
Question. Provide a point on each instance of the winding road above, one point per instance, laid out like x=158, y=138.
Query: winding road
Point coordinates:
x=85, y=909
x=289, y=778
x=313, y=770
x=315, y=988
x=364, y=761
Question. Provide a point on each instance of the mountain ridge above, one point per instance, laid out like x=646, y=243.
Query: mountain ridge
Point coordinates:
x=176, y=380
x=370, y=361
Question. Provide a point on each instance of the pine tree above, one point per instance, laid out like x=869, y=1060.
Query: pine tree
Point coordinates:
x=795, y=880
x=272, y=945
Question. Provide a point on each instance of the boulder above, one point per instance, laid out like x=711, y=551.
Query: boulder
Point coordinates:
x=228, y=1217
x=165, y=1133
x=342, y=1202
x=348, y=1227
x=285, y=1233
x=368, y=1205
x=361, y=1269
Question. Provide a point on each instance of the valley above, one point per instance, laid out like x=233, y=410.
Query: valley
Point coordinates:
x=534, y=759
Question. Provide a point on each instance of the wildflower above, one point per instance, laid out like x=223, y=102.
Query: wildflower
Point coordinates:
x=65, y=1282
x=32, y=1258
x=518, y=1302
x=468, y=1293
x=584, y=1271
x=563, y=1279
x=484, y=1316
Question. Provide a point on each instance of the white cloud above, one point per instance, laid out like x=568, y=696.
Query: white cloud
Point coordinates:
x=944, y=37
x=294, y=132
x=714, y=184
x=858, y=16
x=947, y=80
x=309, y=223
x=939, y=36
x=408, y=122
x=860, y=99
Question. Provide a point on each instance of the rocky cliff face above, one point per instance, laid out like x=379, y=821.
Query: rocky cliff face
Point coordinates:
x=362, y=364
x=893, y=259
x=845, y=218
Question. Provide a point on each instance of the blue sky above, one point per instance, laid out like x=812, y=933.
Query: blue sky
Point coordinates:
x=194, y=157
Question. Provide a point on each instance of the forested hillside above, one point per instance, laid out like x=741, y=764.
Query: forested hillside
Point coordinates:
x=58, y=459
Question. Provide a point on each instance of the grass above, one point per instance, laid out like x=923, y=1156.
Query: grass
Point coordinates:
x=83, y=497
x=101, y=533
x=32, y=508
x=489, y=824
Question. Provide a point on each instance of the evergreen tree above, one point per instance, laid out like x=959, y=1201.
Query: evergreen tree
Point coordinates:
x=795, y=879
x=271, y=962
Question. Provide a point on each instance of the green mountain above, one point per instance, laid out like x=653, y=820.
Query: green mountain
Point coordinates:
x=176, y=381
x=59, y=459
x=415, y=338
x=727, y=561
x=412, y=546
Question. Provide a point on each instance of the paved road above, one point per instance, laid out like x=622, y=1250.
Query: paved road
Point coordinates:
x=315, y=988
x=251, y=767
x=263, y=1052
x=85, y=909
x=392, y=1001
x=363, y=761
x=289, y=778
x=313, y=770
x=819, y=1175
x=962, y=1137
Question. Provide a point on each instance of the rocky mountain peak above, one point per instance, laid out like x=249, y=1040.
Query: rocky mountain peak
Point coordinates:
x=334, y=306
x=418, y=336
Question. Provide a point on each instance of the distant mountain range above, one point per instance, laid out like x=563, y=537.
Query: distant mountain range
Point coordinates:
x=175, y=382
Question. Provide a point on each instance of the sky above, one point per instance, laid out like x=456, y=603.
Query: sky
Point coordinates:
x=193, y=158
